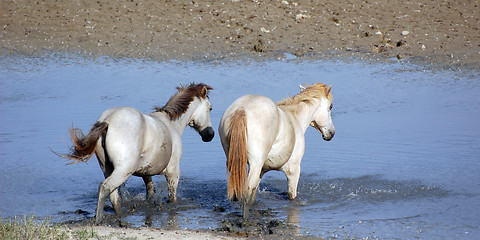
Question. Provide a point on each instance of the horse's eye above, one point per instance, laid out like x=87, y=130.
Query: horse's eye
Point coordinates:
x=210, y=109
x=331, y=105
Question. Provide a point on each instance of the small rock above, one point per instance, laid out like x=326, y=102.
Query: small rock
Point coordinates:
x=264, y=30
x=259, y=47
x=301, y=16
x=404, y=33
x=81, y=212
x=218, y=209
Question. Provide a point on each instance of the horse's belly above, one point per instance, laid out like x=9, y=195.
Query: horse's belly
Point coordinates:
x=155, y=162
x=277, y=157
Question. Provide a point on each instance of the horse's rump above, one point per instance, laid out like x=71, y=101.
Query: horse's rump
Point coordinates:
x=237, y=155
x=84, y=146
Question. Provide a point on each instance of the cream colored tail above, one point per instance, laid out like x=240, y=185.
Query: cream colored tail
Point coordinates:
x=237, y=156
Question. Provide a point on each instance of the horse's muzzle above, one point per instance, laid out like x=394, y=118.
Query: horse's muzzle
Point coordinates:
x=207, y=134
x=329, y=136
x=326, y=134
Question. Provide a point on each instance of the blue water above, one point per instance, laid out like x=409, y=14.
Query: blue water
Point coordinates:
x=403, y=163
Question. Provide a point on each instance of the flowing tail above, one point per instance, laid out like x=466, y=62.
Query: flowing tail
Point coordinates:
x=84, y=146
x=237, y=156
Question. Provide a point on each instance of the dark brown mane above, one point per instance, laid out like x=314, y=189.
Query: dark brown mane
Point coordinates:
x=178, y=103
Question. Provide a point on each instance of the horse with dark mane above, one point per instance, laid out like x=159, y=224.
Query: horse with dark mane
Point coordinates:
x=128, y=142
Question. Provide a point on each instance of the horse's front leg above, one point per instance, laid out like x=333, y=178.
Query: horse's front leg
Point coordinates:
x=149, y=185
x=172, y=175
x=292, y=172
x=292, y=179
x=172, y=180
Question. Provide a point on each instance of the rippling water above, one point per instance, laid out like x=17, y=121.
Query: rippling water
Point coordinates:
x=404, y=162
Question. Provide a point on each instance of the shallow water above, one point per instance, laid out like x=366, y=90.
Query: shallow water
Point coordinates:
x=403, y=163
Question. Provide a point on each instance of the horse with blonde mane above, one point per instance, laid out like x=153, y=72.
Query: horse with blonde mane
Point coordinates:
x=128, y=142
x=268, y=136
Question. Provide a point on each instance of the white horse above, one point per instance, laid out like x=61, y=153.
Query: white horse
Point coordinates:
x=268, y=136
x=128, y=142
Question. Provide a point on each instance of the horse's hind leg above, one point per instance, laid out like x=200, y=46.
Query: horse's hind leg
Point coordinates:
x=110, y=187
x=253, y=180
x=150, y=186
x=107, y=168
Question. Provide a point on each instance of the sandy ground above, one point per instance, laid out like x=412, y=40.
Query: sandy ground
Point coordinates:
x=109, y=233
x=437, y=30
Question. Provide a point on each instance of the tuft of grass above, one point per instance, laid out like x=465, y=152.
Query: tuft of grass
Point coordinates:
x=84, y=233
x=30, y=228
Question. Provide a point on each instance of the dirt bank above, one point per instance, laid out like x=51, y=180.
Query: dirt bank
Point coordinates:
x=101, y=232
x=440, y=30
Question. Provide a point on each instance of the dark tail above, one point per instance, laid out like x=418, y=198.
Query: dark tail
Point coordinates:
x=237, y=156
x=84, y=146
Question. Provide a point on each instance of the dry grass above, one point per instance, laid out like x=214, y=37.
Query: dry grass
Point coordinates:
x=30, y=228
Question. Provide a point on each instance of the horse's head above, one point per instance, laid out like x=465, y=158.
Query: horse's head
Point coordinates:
x=200, y=119
x=322, y=118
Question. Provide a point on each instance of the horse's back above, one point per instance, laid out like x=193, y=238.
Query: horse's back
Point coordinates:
x=253, y=102
x=120, y=114
x=253, y=105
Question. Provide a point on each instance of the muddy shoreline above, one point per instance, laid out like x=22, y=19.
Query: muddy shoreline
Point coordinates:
x=439, y=31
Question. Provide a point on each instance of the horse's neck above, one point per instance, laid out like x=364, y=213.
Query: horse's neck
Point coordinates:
x=181, y=122
x=301, y=112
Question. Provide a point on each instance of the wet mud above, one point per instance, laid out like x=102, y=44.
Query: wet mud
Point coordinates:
x=208, y=198
x=272, y=216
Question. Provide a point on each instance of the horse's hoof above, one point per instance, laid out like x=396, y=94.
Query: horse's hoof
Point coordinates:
x=245, y=210
x=98, y=220
x=245, y=215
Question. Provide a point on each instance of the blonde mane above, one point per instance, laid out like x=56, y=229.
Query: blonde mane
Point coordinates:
x=178, y=103
x=317, y=90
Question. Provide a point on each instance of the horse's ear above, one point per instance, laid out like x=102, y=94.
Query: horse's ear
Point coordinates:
x=328, y=90
x=205, y=91
x=301, y=87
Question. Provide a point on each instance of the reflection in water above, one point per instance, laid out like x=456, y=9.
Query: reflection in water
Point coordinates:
x=293, y=220
x=171, y=221
x=403, y=164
